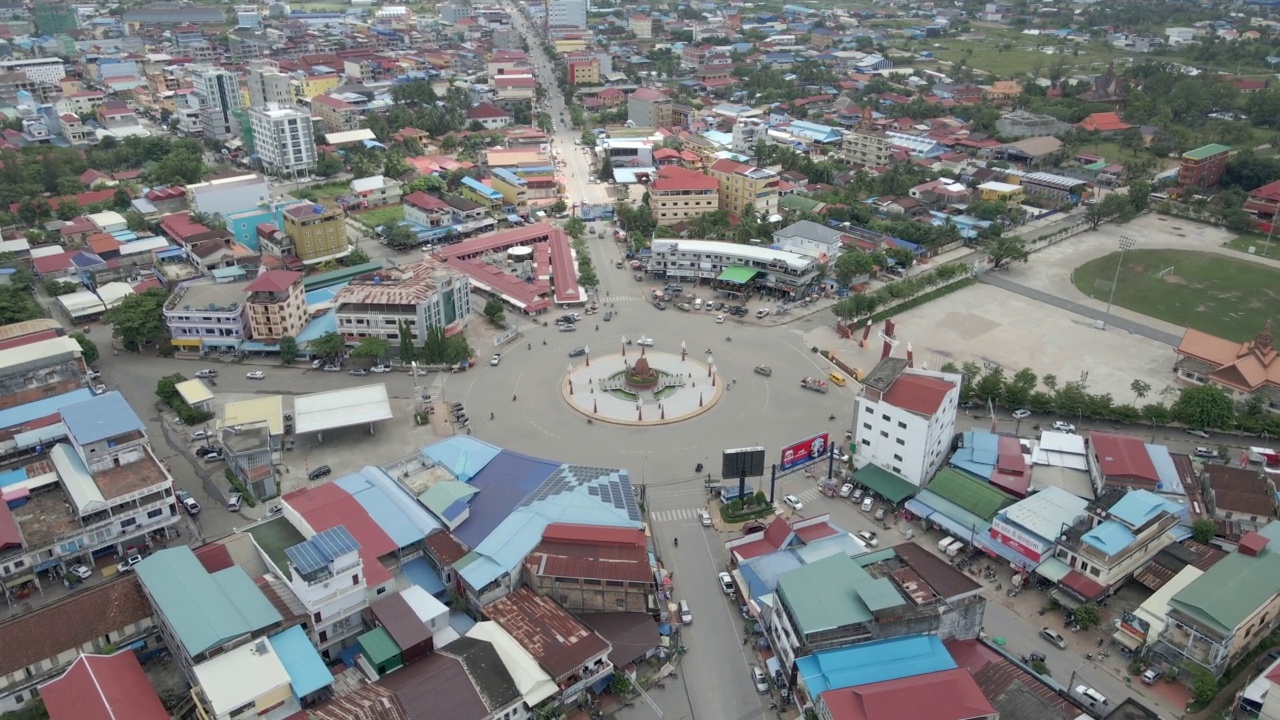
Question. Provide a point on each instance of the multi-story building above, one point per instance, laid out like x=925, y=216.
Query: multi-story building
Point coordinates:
x=207, y=315
x=375, y=191
x=905, y=419
x=585, y=72
x=490, y=116
x=223, y=196
x=678, y=194
x=283, y=140
x=514, y=90
x=649, y=108
x=277, y=305
x=317, y=232
x=591, y=569
x=425, y=294
x=1202, y=168
x=337, y=114
x=309, y=86
x=746, y=133
x=641, y=26
x=218, y=95
x=743, y=186
x=760, y=267
x=54, y=18
x=513, y=188
x=74, y=130
x=268, y=85
x=428, y=211
x=1240, y=500
x=567, y=13
x=49, y=70
x=38, y=361
x=867, y=146
x=326, y=574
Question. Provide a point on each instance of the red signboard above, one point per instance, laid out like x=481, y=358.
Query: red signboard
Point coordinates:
x=1009, y=542
x=805, y=451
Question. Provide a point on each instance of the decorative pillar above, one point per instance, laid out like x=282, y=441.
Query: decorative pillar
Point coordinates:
x=684, y=352
x=699, y=399
x=711, y=363
x=866, y=333
x=713, y=376
x=663, y=410
x=886, y=350
x=595, y=406
x=586, y=352
x=911, y=360
x=624, y=346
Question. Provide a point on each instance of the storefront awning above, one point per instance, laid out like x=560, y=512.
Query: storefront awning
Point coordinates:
x=1064, y=598
x=884, y=483
x=186, y=342
x=1082, y=587
x=1053, y=570
x=737, y=274
x=965, y=532
x=1126, y=639
x=1000, y=550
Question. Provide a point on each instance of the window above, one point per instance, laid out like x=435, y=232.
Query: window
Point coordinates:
x=866, y=442
x=898, y=458
x=902, y=425
x=885, y=418
x=884, y=434
x=355, y=579
x=900, y=441
x=866, y=426
x=1095, y=571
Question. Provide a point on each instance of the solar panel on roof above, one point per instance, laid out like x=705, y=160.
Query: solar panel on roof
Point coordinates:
x=316, y=554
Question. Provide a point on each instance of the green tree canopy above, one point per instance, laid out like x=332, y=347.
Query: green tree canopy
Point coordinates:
x=139, y=319
x=372, y=348
x=288, y=349
x=88, y=348
x=328, y=346
x=1203, y=407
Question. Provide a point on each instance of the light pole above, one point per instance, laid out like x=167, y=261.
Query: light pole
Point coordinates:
x=1126, y=243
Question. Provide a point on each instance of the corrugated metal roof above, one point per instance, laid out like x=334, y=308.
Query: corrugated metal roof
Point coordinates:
x=101, y=417
x=346, y=407
x=307, y=671
x=390, y=506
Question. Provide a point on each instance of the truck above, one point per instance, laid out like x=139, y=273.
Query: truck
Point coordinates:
x=814, y=384
x=1261, y=455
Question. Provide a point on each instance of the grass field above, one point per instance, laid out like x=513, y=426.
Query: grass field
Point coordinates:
x=381, y=216
x=317, y=193
x=1259, y=242
x=1209, y=292
x=1022, y=57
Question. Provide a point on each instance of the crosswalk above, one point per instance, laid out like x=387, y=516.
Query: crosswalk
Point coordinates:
x=673, y=515
x=797, y=331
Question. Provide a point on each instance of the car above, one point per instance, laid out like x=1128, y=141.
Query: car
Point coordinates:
x=568, y=328
x=719, y=319
x=319, y=472
x=660, y=305
x=578, y=352
x=457, y=407
x=255, y=375
x=358, y=372
x=126, y=565
x=857, y=494
x=381, y=369
x=704, y=517
x=760, y=679
x=317, y=364
x=213, y=457
x=575, y=317
x=201, y=435
x=1199, y=433
x=645, y=341
x=868, y=503
x=333, y=368
x=1065, y=427
x=968, y=404
x=880, y=513
x=233, y=502
x=275, y=510
x=794, y=502
x=205, y=450
x=868, y=537
x=1204, y=452
x=762, y=312
x=189, y=503
x=846, y=490
x=94, y=375
x=1151, y=676
x=80, y=571
x=726, y=583
x=497, y=358
x=206, y=373
x=99, y=389
x=1054, y=638
x=1022, y=414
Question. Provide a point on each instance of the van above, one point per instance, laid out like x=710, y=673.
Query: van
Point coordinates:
x=837, y=378
x=686, y=615
x=955, y=548
x=945, y=543
x=697, y=304
x=1094, y=699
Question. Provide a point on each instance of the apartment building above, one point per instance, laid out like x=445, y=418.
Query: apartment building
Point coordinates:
x=751, y=267
x=425, y=294
x=567, y=13
x=677, y=195
x=1203, y=167
x=906, y=418
x=283, y=140
x=277, y=305
x=592, y=569
x=649, y=108
x=267, y=85
x=337, y=115
x=317, y=232
x=38, y=361
x=218, y=94
x=867, y=147
x=207, y=315
x=326, y=574
x=743, y=186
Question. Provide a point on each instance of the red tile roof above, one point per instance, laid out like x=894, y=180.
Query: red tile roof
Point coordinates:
x=486, y=110
x=1123, y=456
x=215, y=557
x=274, y=281
x=423, y=201
x=810, y=533
x=920, y=394
x=725, y=165
x=674, y=178
x=328, y=506
x=103, y=687
x=946, y=695
x=52, y=263
x=1083, y=586
x=1103, y=122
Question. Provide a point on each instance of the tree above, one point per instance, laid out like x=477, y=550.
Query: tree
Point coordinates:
x=328, y=346
x=587, y=276
x=328, y=165
x=559, y=206
x=1088, y=616
x=852, y=265
x=54, y=288
x=288, y=349
x=355, y=257
x=121, y=200
x=407, y=350
x=399, y=236
x=991, y=384
x=1003, y=250
x=493, y=309
x=575, y=228
x=1203, y=530
x=1017, y=392
x=606, y=170
x=139, y=319
x=1140, y=389
x=88, y=348
x=1204, y=406
x=136, y=221
x=1204, y=686
x=372, y=348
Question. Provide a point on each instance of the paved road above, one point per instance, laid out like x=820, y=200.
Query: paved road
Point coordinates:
x=997, y=280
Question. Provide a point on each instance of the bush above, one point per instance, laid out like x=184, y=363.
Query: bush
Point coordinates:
x=240, y=488
x=1204, y=686
x=1040, y=668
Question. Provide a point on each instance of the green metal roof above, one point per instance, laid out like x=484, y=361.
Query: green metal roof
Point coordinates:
x=439, y=497
x=1095, y=167
x=333, y=277
x=880, y=594
x=1230, y=591
x=1206, y=151
x=799, y=203
x=205, y=610
x=738, y=274
x=379, y=646
x=980, y=498
x=274, y=537
x=824, y=595
x=884, y=483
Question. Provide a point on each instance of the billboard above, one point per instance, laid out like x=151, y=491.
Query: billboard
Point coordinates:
x=742, y=463
x=805, y=451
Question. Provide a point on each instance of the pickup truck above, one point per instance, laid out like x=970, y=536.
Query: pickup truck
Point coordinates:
x=814, y=384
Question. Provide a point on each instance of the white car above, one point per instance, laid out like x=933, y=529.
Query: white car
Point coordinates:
x=645, y=341
x=99, y=389
x=201, y=435
x=868, y=537
x=1021, y=414
x=726, y=583
x=255, y=375
x=760, y=679
x=846, y=490
x=704, y=517
x=794, y=502
x=80, y=571
x=1065, y=427
x=94, y=375
x=868, y=503
x=381, y=368
x=762, y=312
x=719, y=319
x=497, y=358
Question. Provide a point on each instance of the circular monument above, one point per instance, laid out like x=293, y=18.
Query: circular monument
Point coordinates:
x=639, y=387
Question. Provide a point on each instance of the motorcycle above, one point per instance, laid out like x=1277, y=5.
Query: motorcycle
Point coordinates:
x=697, y=468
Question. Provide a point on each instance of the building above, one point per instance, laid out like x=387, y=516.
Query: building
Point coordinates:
x=375, y=191
x=218, y=96
x=641, y=26
x=490, y=116
x=224, y=196
x=207, y=315
x=649, y=108
x=734, y=267
x=267, y=85
x=585, y=72
x=1024, y=533
x=103, y=686
x=54, y=18
x=316, y=232
x=39, y=363
x=677, y=195
x=588, y=569
x=809, y=238
x=281, y=672
x=1007, y=193
x=283, y=140
x=1240, y=500
x=945, y=695
x=44, y=70
x=905, y=419
x=746, y=133
x=743, y=186
x=337, y=114
x=276, y=306
x=1218, y=618
x=512, y=188
x=425, y=294
x=1202, y=168
x=1242, y=369
x=567, y=13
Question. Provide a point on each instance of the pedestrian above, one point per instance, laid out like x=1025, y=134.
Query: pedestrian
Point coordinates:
x=490, y=416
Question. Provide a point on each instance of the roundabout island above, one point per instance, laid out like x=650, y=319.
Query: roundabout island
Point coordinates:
x=637, y=387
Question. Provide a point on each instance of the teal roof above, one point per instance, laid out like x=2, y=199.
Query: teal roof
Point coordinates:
x=441, y=495
x=307, y=671
x=1207, y=151
x=379, y=646
x=825, y=595
x=205, y=610
x=978, y=497
x=1230, y=591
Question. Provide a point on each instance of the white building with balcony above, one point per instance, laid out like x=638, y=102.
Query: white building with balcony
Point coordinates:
x=732, y=264
x=425, y=294
x=906, y=418
x=325, y=572
x=206, y=315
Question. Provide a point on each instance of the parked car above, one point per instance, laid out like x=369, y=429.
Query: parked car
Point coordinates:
x=858, y=493
x=1204, y=452
x=1065, y=427
x=275, y=510
x=188, y=502
x=1054, y=638
x=762, y=313
x=868, y=503
x=358, y=372
x=333, y=368
x=726, y=583
x=319, y=472
x=846, y=490
x=213, y=457
x=206, y=373
x=233, y=502
x=497, y=358
x=317, y=364
x=794, y=502
x=868, y=537
x=760, y=679
x=99, y=389
x=94, y=375
x=80, y=571
x=201, y=435
x=880, y=513
x=1022, y=414
x=1199, y=433
x=704, y=517
x=1152, y=675
x=381, y=369
x=255, y=375
x=126, y=565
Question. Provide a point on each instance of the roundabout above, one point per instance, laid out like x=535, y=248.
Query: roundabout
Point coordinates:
x=641, y=388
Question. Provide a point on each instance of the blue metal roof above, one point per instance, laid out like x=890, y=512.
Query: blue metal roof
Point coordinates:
x=324, y=295
x=321, y=549
x=464, y=456
x=504, y=482
x=27, y=412
x=99, y=418
x=873, y=662
x=508, y=176
x=1137, y=507
x=1110, y=537
x=420, y=573
x=390, y=506
x=307, y=671
x=326, y=323
x=481, y=188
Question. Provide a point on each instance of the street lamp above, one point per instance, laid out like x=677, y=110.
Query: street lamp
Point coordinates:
x=1126, y=243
